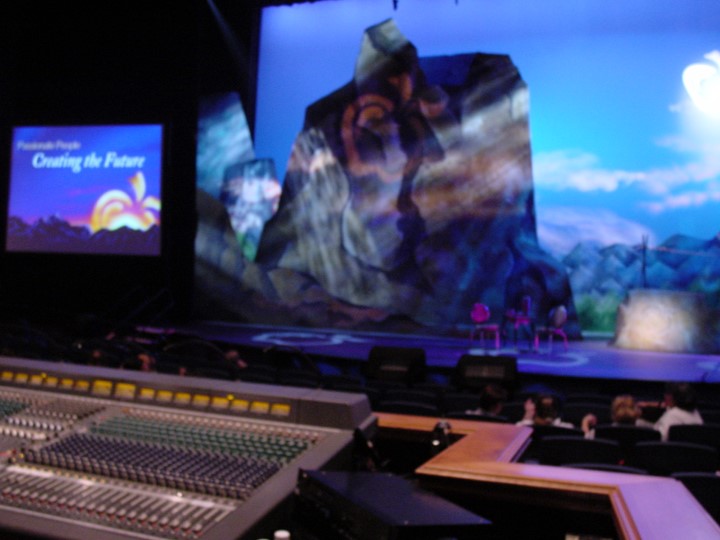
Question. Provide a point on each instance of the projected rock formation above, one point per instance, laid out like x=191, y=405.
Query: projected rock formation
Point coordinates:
x=228, y=170
x=408, y=198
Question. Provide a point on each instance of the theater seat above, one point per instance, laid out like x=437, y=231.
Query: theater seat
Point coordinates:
x=666, y=458
x=626, y=436
x=555, y=328
x=608, y=467
x=705, y=487
x=559, y=450
x=708, y=434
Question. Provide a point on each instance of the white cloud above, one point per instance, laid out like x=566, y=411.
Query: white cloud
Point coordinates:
x=578, y=170
x=561, y=228
x=687, y=199
x=703, y=144
x=582, y=171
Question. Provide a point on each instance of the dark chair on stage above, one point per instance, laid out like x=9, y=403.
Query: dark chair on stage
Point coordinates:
x=666, y=458
x=562, y=450
x=480, y=316
x=708, y=434
x=520, y=321
x=554, y=328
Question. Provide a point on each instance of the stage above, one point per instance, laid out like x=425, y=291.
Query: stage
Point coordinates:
x=591, y=358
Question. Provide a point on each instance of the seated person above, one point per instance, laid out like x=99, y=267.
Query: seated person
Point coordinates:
x=543, y=410
x=680, y=408
x=492, y=398
x=624, y=411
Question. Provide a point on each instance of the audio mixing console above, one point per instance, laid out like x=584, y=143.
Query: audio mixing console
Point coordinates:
x=110, y=454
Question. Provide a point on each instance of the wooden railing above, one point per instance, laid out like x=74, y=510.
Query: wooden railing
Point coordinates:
x=483, y=463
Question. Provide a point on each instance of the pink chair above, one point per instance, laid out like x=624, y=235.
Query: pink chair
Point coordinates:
x=556, y=321
x=480, y=314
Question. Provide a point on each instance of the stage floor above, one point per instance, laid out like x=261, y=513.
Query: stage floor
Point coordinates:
x=593, y=357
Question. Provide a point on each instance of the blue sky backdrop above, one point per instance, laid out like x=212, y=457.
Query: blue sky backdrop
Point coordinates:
x=619, y=150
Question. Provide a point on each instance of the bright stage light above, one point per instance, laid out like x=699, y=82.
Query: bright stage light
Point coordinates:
x=702, y=82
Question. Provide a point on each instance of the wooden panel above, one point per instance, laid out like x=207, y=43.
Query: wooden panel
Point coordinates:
x=499, y=442
x=482, y=462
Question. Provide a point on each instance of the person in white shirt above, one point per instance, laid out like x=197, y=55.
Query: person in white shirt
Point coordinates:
x=680, y=408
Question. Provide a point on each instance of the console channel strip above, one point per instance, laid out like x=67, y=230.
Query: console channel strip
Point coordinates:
x=101, y=453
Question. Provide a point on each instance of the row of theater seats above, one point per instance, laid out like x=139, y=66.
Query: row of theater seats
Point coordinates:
x=394, y=379
x=690, y=448
x=691, y=455
x=401, y=389
x=427, y=399
x=447, y=399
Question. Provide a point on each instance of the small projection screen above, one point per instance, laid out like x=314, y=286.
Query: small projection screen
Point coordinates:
x=90, y=189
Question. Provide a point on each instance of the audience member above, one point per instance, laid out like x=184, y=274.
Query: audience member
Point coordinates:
x=140, y=362
x=680, y=408
x=206, y=359
x=624, y=411
x=232, y=356
x=543, y=410
x=491, y=401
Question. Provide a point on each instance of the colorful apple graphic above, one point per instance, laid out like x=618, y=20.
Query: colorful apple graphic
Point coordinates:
x=115, y=208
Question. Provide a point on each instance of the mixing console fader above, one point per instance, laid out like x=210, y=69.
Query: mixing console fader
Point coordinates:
x=100, y=453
